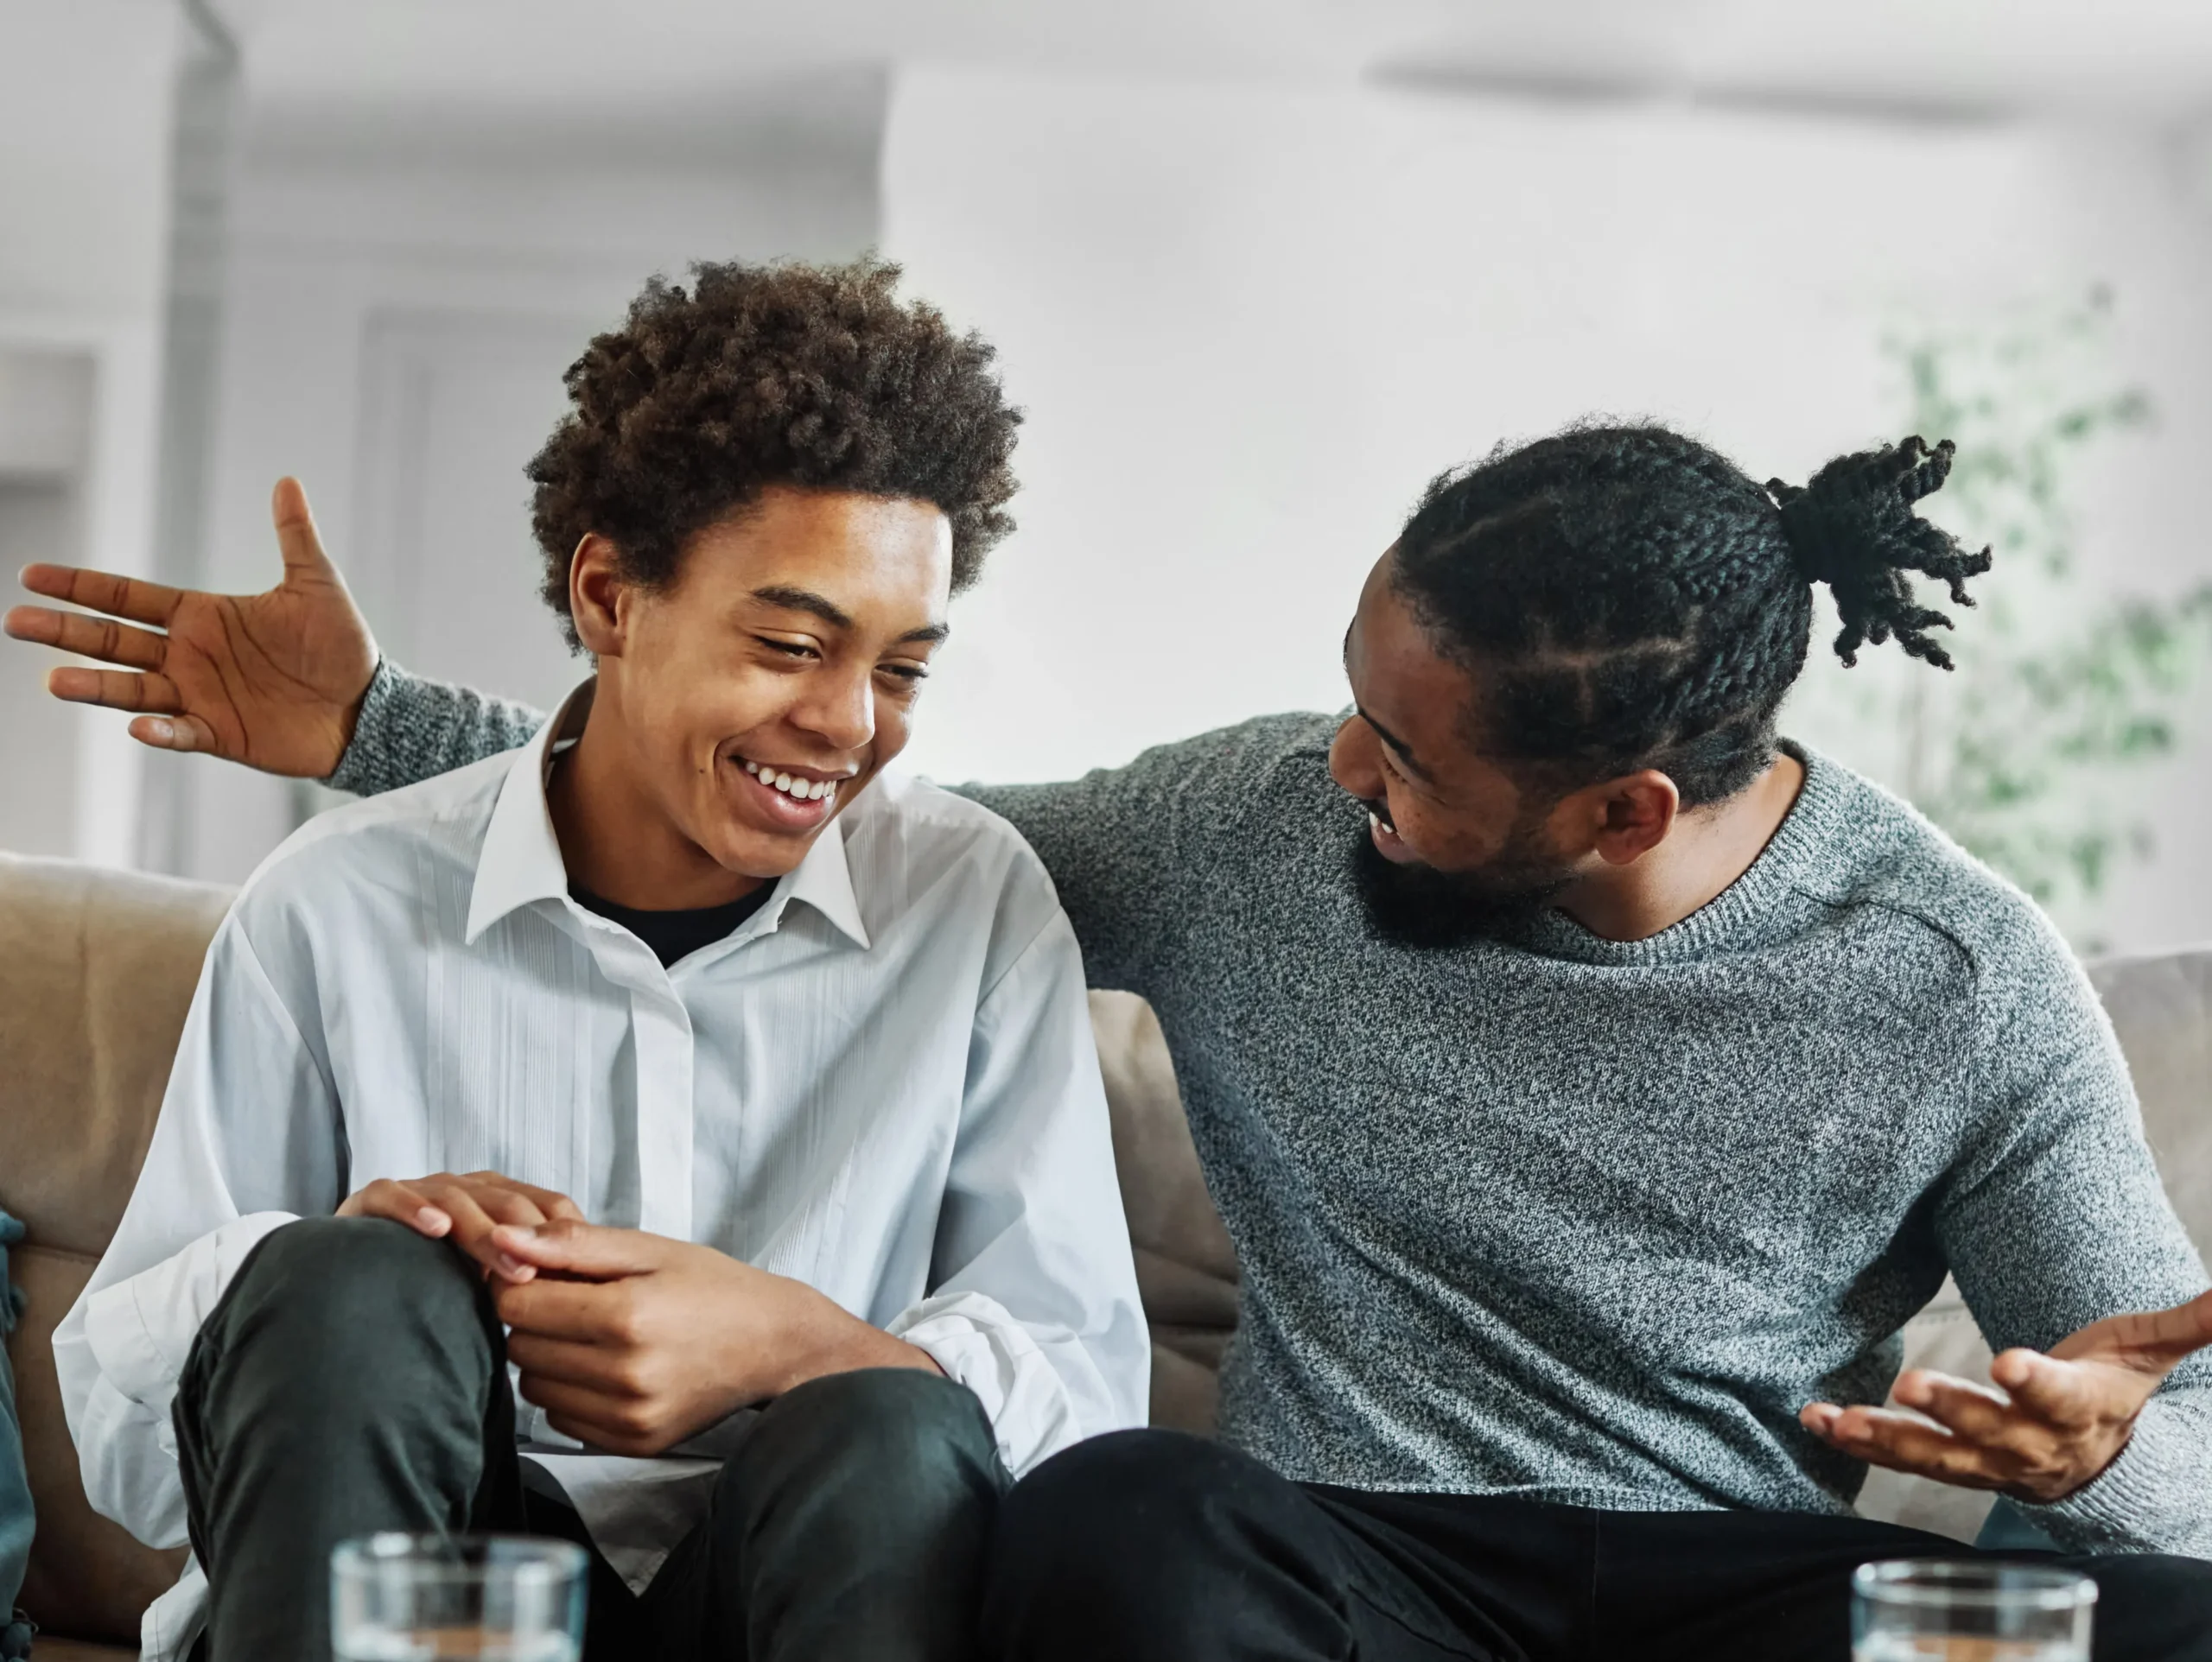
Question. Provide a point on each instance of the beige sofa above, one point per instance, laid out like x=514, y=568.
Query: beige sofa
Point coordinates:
x=97, y=968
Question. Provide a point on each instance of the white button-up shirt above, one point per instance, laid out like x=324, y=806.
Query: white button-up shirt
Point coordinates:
x=882, y=1084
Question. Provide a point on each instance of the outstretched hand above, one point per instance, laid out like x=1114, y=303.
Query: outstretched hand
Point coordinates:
x=272, y=680
x=2050, y=1425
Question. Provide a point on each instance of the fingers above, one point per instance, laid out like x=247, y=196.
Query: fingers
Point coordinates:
x=553, y=1206
x=477, y=1211
x=99, y=591
x=400, y=1204
x=298, y=539
x=92, y=637
x=581, y=1312
x=578, y=1411
x=596, y=1367
x=575, y=1248
x=2073, y=1395
x=180, y=731
x=116, y=689
x=1904, y=1443
x=1976, y=1413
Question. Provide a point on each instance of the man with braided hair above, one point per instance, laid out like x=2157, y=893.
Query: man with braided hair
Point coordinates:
x=1593, y=1084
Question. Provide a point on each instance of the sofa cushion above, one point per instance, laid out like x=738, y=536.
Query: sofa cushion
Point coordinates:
x=1186, y=1269
x=96, y=969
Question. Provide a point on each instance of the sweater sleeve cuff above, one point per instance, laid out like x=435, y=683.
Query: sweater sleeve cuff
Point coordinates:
x=358, y=769
x=2145, y=1500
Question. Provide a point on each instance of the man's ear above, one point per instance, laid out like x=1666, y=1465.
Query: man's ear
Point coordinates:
x=1633, y=815
x=595, y=592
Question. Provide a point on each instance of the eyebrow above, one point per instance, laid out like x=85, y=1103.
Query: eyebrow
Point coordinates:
x=789, y=598
x=1405, y=754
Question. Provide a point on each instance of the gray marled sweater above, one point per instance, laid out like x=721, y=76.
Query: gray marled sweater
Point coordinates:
x=1588, y=1221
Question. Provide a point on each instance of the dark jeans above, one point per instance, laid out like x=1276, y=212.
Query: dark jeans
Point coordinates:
x=353, y=1379
x=1151, y=1544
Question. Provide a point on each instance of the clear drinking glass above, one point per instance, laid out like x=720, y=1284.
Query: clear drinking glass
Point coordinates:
x=1926, y=1610
x=432, y=1598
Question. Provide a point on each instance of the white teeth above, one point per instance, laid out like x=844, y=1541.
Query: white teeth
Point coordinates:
x=799, y=790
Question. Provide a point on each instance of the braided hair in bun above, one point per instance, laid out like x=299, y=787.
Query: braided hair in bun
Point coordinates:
x=1627, y=598
x=1852, y=528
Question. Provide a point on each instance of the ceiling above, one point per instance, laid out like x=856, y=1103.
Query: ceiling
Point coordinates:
x=2126, y=59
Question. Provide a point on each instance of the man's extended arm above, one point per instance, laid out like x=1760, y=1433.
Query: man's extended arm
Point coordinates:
x=281, y=681
x=2080, y=1276
x=290, y=681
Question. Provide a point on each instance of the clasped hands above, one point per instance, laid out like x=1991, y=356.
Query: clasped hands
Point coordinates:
x=2053, y=1421
x=631, y=1342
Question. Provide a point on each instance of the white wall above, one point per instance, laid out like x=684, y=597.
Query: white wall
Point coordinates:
x=84, y=103
x=405, y=291
x=1249, y=324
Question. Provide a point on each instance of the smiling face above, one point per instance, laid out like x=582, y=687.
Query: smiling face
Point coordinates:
x=1454, y=831
x=748, y=703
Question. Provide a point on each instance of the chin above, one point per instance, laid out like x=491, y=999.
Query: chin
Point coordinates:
x=751, y=853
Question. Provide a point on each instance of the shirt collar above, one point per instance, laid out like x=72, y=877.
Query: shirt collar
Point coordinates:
x=520, y=862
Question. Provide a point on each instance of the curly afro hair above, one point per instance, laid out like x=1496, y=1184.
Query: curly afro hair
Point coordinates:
x=812, y=376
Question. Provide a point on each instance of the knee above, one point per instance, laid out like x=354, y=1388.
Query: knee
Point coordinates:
x=337, y=1293
x=1108, y=1518
x=887, y=1432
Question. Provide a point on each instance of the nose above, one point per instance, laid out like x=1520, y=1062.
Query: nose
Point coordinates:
x=1355, y=761
x=839, y=709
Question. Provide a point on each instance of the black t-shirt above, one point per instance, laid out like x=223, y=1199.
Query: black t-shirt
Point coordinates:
x=676, y=934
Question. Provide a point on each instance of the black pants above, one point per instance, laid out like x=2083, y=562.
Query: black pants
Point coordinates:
x=353, y=1379
x=1151, y=1544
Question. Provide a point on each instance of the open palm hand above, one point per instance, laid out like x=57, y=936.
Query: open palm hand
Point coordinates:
x=273, y=680
x=2048, y=1424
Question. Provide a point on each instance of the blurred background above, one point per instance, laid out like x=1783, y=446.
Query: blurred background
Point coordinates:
x=1258, y=270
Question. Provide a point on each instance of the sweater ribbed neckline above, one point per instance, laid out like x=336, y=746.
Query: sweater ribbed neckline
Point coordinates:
x=1758, y=908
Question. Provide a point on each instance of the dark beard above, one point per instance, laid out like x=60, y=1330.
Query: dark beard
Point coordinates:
x=1421, y=907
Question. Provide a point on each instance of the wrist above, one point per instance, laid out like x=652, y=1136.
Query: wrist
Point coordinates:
x=823, y=1338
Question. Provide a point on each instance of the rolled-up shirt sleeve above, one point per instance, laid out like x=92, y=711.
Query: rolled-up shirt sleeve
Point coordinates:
x=246, y=1141
x=1032, y=1304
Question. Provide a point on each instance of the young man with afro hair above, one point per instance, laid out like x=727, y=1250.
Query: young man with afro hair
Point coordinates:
x=733, y=1096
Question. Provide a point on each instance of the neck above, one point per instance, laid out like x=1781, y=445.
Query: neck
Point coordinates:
x=618, y=839
x=1708, y=849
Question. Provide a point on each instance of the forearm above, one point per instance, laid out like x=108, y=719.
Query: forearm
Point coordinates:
x=412, y=728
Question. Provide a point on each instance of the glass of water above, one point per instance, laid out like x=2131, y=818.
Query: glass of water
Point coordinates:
x=434, y=1598
x=1926, y=1610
